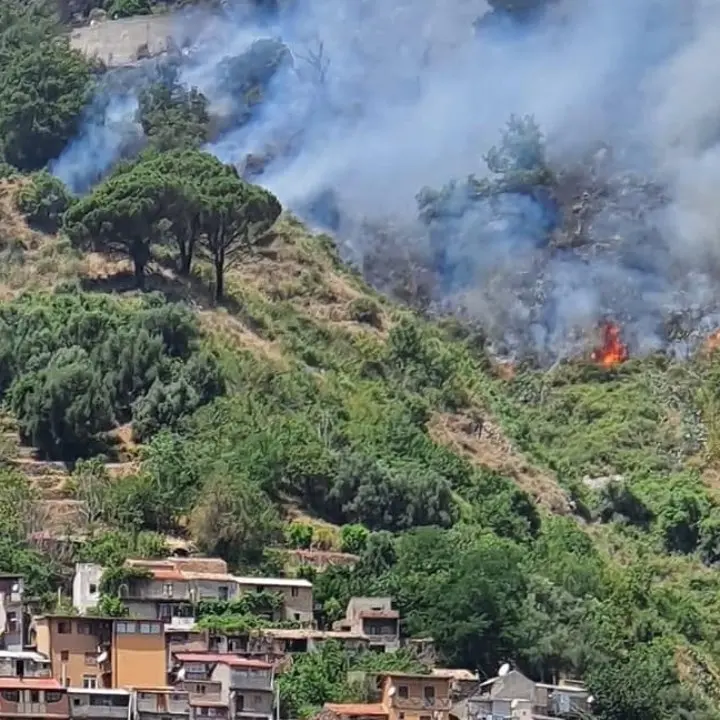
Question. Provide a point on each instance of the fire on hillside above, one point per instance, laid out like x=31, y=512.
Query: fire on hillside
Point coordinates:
x=613, y=351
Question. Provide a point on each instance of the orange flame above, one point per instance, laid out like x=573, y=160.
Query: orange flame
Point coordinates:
x=613, y=351
x=713, y=342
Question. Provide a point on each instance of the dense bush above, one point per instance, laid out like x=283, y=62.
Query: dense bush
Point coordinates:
x=76, y=365
x=43, y=201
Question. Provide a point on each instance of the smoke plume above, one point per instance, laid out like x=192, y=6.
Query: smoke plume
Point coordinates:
x=382, y=98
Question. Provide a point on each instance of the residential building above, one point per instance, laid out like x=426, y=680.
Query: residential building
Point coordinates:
x=99, y=703
x=33, y=698
x=462, y=682
x=75, y=647
x=271, y=644
x=169, y=590
x=296, y=593
x=184, y=640
x=12, y=625
x=24, y=663
x=89, y=652
x=374, y=617
x=404, y=697
x=165, y=590
x=161, y=703
x=138, y=656
x=242, y=687
x=86, y=586
x=416, y=697
x=510, y=693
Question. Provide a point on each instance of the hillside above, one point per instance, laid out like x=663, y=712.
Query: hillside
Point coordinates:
x=518, y=439
x=316, y=361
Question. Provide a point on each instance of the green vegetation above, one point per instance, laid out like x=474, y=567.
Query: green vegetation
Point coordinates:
x=295, y=408
x=43, y=85
x=75, y=365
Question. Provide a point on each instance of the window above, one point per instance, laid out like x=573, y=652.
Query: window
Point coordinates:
x=52, y=697
x=425, y=717
x=89, y=682
x=93, y=588
x=239, y=703
x=223, y=592
x=11, y=695
x=429, y=693
x=294, y=592
x=77, y=702
x=257, y=700
x=12, y=622
x=403, y=692
x=64, y=627
x=401, y=716
x=126, y=628
x=145, y=628
x=90, y=659
x=259, y=588
x=64, y=655
x=34, y=696
x=167, y=590
x=84, y=628
x=297, y=616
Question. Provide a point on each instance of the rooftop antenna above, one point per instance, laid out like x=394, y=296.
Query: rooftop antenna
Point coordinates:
x=504, y=670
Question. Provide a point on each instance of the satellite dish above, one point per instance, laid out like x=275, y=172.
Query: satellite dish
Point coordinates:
x=590, y=700
x=15, y=588
x=514, y=704
x=504, y=670
x=392, y=690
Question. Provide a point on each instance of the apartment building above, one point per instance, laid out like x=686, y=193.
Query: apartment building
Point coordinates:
x=238, y=687
x=502, y=695
x=404, y=697
x=165, y=590
x=161, y=703
x=12, y=624
x=273, y=644
x=375, y=618
x=99, y=703
x=91, y=653
x=33, y=697
x=296, y=593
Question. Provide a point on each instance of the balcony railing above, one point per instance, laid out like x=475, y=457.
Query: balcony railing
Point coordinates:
x=420, y=704
x=100, y=711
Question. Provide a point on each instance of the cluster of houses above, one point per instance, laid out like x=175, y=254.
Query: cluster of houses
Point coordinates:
x=158, y=664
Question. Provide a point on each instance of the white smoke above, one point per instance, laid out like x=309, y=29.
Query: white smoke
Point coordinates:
x=413, y=97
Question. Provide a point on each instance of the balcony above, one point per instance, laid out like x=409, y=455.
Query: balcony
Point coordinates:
x=251, y=681
x=30, y=709
x=199, y=690
x=166, y=704
x=100, y=711
x=420, y=704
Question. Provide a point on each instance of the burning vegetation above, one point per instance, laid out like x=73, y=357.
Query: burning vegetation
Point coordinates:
x=613, y=351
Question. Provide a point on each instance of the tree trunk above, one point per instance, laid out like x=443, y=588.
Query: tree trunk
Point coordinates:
x=219, y=280
x=186, y=257
x=139, y=274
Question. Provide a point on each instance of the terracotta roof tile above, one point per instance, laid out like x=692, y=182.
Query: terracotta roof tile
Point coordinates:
x=31, y=683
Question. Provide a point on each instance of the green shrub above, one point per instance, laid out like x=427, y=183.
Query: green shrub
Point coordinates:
x=128, y=8
x=366, y=310
x=43, y=201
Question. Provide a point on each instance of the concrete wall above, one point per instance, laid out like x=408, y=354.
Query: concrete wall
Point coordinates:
x=138, y=658
x=72, y=646
x=86, y=586
x=121, y=42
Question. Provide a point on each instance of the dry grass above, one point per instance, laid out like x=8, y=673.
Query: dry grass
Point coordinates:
x=295, y=267
x=485, y=445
